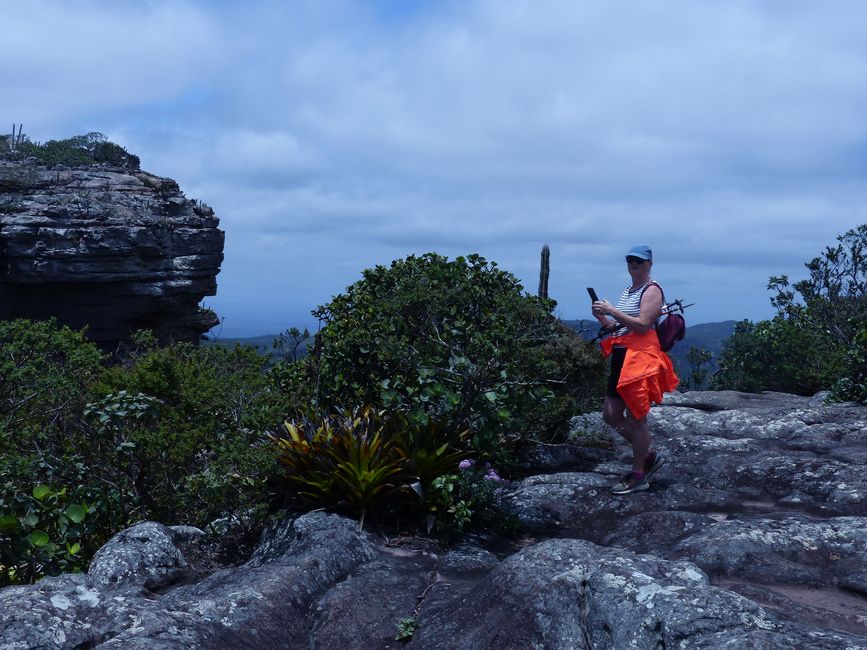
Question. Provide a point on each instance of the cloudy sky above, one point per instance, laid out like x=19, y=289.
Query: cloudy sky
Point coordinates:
x=330, y=136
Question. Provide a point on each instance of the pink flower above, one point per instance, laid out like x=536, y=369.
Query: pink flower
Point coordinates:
x=466, y=463
x=492, y=476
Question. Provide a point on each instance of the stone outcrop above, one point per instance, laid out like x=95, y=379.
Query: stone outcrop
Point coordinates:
x=108, y=247
x=753, y=535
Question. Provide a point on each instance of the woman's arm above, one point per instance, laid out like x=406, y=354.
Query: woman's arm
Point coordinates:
x=651, y=307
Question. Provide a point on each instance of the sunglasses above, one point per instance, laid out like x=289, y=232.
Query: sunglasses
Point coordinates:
x=634, y=260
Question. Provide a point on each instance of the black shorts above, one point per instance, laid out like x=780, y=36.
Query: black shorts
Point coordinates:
x=617, y=357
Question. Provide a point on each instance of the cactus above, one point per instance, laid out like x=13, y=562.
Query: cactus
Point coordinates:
x=544, y=271
x=16, y=140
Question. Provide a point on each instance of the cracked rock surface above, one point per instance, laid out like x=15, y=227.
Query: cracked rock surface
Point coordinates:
x=753, y=535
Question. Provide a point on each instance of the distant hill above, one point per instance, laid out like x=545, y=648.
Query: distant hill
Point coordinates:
x=708, y=336
x=264, y=344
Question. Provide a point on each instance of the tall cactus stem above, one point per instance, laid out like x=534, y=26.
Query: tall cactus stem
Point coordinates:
x=544, y=271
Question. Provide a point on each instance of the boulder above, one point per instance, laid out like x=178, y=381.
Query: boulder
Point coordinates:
x=145, y=555
x=261, y=604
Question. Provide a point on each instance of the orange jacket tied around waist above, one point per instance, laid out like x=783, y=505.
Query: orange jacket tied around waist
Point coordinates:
x=647, y=371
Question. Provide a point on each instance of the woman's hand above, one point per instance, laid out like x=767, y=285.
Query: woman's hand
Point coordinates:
x=603, y=308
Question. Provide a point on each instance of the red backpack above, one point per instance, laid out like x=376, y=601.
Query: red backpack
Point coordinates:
x=670, y=330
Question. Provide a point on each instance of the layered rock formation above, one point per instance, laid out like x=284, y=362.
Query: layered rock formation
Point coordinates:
x=108, y=247
x=754, y=535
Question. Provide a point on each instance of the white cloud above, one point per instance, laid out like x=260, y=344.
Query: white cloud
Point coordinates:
x=729, y=135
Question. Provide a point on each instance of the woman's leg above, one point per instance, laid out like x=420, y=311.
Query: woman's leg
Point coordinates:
x=639, y=436
x=613, y=413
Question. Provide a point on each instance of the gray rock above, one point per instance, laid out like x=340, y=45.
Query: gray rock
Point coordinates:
x=573, y=594
x=262, y=604
x=793, y=550
x=544, y=457
x=784, y=550
x=314, y=534
x=362, y=611
x=112, y=248
x=466, y=560
x=144, y=555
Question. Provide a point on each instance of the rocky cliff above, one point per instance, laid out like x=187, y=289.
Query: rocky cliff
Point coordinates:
x=753, y=535
x=106, y=246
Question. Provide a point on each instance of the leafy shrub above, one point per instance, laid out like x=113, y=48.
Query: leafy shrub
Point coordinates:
x=46, y=372
x=362, y=461
x=295, y=381
x=174, y=434
x=406, y=627
x=429, y=451
x=853, y=385
x=467, y=498
x=205, y=456
x=699, y=373
x=458, y=342
x=41, y=533
x=291, y=345
x=778, y=355
x=78, y=151
x=812, y=342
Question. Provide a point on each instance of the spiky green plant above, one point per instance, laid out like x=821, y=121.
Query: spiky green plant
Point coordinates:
x=342, y=461
x=429, y=449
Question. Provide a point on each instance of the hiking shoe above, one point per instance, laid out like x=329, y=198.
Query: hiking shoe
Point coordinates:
x=653, y=464
x=630, y=483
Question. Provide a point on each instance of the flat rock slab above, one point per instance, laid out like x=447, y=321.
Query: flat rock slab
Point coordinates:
x=574, y=594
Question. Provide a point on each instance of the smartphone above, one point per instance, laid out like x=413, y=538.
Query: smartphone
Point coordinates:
x=592, y=293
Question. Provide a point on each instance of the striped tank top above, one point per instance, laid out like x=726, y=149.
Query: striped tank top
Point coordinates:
x=630, y=304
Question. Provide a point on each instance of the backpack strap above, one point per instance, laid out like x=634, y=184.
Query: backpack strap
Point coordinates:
x=656, y=284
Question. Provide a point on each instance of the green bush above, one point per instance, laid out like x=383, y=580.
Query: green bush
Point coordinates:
x=46, y=374
x=466, y=499
x=79, y=151
x=174, y=434
x=205, y=456
x=813, y=341
x=853, y=385
x=778, y=355
x=342, y=461
x=41, y=533
x=457, y=342
x=362, y=461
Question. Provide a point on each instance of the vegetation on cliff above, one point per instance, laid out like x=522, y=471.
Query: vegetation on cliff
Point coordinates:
x=90, y=149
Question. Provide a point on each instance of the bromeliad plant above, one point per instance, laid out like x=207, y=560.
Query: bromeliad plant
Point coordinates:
x=429, y=448
x=342, y=461
x=361, y=461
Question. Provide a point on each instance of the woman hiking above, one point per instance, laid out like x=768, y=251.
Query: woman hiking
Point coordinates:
x=640, y=371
